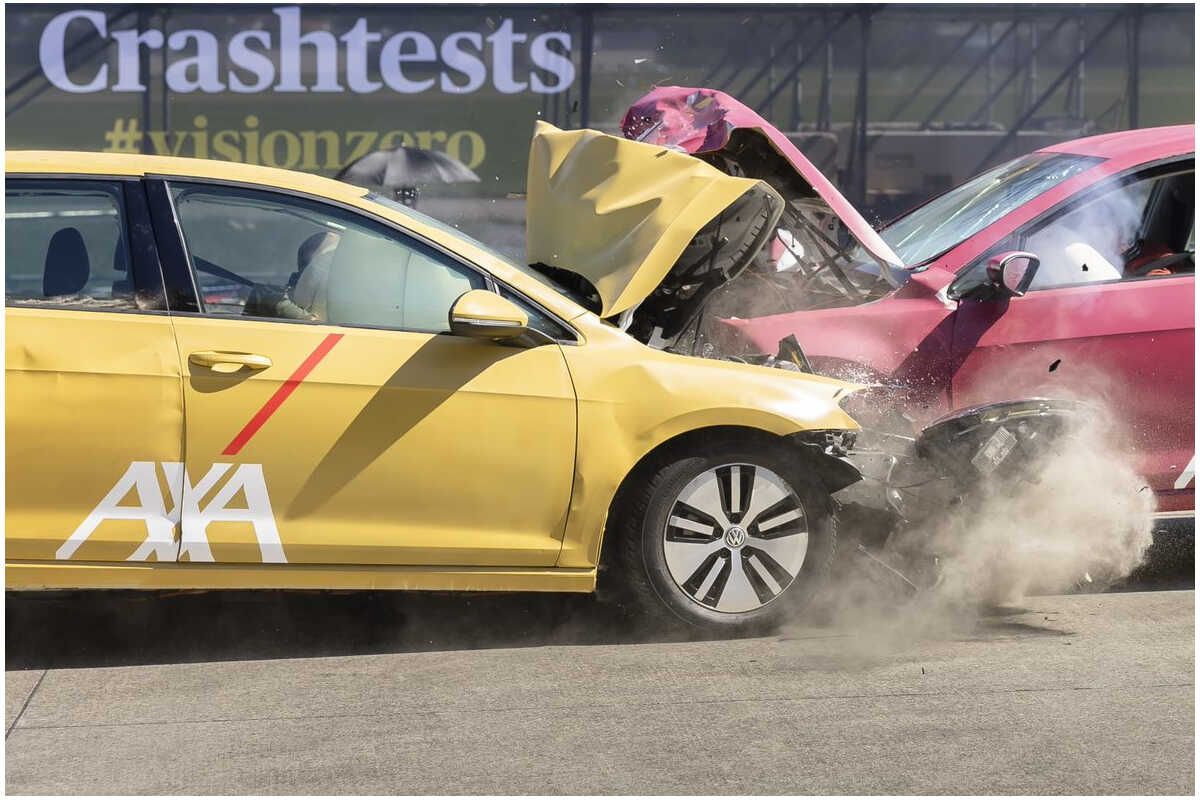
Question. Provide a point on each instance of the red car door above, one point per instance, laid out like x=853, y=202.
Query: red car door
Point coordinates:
x=1127, y=343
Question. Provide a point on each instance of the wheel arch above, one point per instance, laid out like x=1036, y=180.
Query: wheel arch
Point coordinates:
x=830, y=470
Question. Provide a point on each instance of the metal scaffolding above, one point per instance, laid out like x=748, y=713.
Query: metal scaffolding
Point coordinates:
x=809, y=43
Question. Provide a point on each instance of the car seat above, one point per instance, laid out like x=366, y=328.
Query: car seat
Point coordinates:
x=372, y=281
x=364, y=283
x=67, y=268
x=308, y=286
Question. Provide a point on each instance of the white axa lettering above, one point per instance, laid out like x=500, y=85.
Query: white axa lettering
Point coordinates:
x=1188, y=474
x=142, y=480
x=160, y=524
x=459, y=65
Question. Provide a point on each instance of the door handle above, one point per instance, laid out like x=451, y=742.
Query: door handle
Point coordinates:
x=221, y=361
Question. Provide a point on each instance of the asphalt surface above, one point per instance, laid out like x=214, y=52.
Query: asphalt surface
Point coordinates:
x=305, y=694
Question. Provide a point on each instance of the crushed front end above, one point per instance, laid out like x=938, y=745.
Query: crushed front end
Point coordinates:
x=913, y=483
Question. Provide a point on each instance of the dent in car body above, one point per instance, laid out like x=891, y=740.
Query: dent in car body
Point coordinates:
x=1126, y=335
x=87, y=393
x=701, y=120
x=617, y=212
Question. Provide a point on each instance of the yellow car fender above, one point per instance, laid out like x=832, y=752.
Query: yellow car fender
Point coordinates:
x=631, y=406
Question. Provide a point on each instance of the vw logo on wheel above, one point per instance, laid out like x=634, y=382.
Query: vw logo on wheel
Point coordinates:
x=735, y=567
x=735, y=537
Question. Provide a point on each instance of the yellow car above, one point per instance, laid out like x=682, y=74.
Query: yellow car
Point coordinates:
x=226, y=376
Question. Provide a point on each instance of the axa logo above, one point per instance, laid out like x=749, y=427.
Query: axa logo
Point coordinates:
x=141, y=481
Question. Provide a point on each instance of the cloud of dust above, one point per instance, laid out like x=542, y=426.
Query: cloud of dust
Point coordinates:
x=1080, y=511
x=1080, y=514
x=1077, y=516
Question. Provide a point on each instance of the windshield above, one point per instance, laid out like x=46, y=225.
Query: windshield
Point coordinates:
x=932, y=229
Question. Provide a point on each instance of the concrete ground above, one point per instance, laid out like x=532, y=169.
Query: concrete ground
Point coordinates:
x=511, y=694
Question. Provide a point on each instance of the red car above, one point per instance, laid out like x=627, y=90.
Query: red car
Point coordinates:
x=1067, y=271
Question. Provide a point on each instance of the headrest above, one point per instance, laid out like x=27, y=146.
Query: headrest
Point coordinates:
x=67, y=267
x=309, y=247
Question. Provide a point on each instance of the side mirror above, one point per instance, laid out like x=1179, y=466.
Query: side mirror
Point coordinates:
x=481, y=314
x=1010, y=273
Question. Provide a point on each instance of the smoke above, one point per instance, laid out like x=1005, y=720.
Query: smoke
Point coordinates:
x=1089, y=243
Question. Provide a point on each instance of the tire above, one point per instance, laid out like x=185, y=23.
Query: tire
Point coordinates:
x=695, y=550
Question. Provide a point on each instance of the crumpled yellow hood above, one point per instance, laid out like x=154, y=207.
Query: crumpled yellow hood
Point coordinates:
x=618, y=212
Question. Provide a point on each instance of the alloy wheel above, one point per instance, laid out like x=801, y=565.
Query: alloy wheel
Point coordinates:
x=736, y=538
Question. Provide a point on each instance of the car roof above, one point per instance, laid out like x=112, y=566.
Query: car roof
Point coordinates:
x=68, y=162
x=1136, y=146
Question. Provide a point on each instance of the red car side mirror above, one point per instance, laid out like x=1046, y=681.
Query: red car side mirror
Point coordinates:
x=1011, y=272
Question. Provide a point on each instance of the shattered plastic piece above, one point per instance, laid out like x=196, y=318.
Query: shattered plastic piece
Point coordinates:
x=887, y=569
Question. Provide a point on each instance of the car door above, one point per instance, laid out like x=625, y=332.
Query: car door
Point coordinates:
x=94, y=418
x=331, y=419
x=1094, y=326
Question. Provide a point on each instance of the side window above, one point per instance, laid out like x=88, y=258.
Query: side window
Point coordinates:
x=267, y=255
x=1141, y=228
x=1091, y=243
x=65, y=244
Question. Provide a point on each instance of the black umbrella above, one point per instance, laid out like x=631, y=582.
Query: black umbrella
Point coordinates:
x=405, y=167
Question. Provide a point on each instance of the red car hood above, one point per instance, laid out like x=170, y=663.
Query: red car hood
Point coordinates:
x=704, y=120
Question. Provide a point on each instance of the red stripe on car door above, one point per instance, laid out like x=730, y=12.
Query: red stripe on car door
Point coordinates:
x=281, y=394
